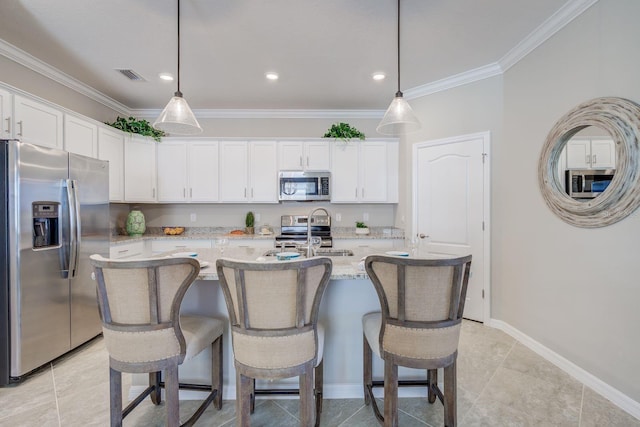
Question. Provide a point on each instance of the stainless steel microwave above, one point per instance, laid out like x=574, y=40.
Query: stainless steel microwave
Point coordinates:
x=587, y=183
x=304, y=186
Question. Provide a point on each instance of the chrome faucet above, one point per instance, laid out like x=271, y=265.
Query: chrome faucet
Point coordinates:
x=309, y=219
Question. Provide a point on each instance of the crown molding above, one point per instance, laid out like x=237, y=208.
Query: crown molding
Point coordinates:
x=464, y=78
x=548, y=28
x=31, y=62
x=271, y=114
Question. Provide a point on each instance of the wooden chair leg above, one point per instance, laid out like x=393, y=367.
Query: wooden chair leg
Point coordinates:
x=432, y=379
x=450, y=395
x=216, y=371
x=390, y=394
x=306, y=396
x=243, y=400
x=318, y=377
x=253, y=396
x=115, y=396
x=156, y=394
x=172, y=395
x=367, y=371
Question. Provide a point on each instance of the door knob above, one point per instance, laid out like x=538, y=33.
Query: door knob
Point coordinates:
x=422, y=236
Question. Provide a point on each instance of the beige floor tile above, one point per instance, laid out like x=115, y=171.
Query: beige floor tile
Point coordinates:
x=33, y=394
x=598, y=411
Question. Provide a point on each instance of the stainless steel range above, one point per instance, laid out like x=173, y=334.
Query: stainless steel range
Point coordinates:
x=294, y=230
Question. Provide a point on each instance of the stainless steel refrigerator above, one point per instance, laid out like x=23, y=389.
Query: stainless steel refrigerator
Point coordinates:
x=55, y=214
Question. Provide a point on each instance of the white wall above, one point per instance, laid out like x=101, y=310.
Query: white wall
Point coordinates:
x=574, y=290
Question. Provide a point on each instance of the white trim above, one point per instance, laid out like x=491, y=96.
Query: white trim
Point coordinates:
x=605, y=390
x=556, y=22
x=31, y=62
x=272, y=114
x=451, y=82
x=486, y=202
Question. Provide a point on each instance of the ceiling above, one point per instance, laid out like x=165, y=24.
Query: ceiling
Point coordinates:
x=325, y=51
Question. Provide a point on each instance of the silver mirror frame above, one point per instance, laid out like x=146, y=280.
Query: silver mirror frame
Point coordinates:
x=621, y=119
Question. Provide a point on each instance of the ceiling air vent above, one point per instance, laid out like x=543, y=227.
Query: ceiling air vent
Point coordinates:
x=132, y=75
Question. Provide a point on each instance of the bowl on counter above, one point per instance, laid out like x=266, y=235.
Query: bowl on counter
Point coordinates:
x=173, y=231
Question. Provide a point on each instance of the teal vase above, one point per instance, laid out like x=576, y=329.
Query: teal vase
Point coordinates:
x=135, y=223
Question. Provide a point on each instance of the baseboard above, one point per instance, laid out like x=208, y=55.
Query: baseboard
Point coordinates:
x=605, y=390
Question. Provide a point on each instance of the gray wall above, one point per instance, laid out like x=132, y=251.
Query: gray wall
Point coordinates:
x=574, y=290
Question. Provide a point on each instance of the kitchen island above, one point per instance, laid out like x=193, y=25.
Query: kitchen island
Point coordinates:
x=347, y=298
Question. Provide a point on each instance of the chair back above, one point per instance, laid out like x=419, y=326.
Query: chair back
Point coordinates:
x=422, y=303
x=273, y=309
x=139, y=304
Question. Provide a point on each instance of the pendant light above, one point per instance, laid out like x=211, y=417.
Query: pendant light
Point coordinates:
x=399, y=117
x=177, y=118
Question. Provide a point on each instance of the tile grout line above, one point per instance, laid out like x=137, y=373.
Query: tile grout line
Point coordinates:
x=55, y=394
x=352, y=415
x=581, y=406
x=515, y=341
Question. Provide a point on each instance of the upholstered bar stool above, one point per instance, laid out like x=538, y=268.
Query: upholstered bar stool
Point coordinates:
x=144, y=332
x=422, y=302
x=273, y=310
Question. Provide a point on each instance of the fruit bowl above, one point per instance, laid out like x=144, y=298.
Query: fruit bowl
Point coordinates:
x=173, y=231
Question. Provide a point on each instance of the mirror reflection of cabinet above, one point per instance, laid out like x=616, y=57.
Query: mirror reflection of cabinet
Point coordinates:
x=590, y=154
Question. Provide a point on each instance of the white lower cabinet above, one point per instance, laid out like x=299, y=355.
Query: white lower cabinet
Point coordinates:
x=365, y=172
x=161, y=246
x=131, y=250
x=366, y=243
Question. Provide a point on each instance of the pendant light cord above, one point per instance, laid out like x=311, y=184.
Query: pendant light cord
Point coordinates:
x=399, y=93
x=178, y=93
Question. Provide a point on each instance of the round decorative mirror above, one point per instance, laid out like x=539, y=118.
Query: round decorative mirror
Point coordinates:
x=589, y=170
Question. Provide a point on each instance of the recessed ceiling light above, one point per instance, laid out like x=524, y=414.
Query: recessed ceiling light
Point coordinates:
x=166, y=77
x=271, y=76
x=378, y=76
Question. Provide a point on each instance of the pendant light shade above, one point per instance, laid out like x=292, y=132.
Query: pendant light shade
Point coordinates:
x=177, y=118
x=399, y=117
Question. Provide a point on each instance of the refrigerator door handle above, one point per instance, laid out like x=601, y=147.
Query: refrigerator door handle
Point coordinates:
x=72, y=203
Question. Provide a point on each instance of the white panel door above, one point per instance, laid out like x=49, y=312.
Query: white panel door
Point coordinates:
x=603, y=154
x=373, y=172
x=290, y=155
x=37, y=123
x=80, y=136
x=578, y=154
x=449, y=210
x=111, y=148
x=344, y=173
x=203, y=171
x=139, y=169
x=317, y=155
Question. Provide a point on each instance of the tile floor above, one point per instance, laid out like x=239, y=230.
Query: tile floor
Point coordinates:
x=500, y=383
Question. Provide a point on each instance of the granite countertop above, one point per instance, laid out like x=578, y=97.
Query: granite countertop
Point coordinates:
x=208, y=233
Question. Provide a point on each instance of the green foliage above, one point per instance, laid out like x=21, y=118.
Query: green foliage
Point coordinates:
x=139, y=126
x=249, y=220
x=360, y=224
x=344, y=132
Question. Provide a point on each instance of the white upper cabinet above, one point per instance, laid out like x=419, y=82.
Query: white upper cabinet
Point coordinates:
x=80, y=136
x=37, y=123
x=6, y=114
x=596, y=153
x=139, y=169
x=248, y=171
x=307, y=155
x=187, y=171
x=111, y=148
x=365, y=172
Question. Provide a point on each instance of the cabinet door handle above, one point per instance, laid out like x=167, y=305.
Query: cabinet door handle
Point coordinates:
x=587, y=159
x=252, y=192
x=184, y=192
x=594, y=159
x=300, y=160
x=307, y=161
x=8, y=119
x=20, y=124
x=153, y=193
x=362, y=193
x=245, y=192
x=123, y=251
x=191, y=193
x=356, y=192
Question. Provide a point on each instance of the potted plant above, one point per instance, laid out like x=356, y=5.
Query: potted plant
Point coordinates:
x=249, y=222
x=344, y=132
x=361, y=228
x=139, y=126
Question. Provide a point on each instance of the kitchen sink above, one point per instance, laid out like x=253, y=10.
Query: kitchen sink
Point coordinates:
x=320, y=252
